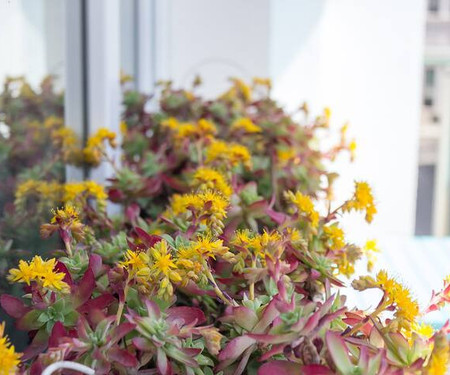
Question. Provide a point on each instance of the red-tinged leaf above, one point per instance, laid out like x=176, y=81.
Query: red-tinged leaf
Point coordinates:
x=13, y=306
x=98, y=303
x=268, y=316
x=122, y=330
x=339, y=352
x=273, y=339
x=29, y=321
x=280, y=368
x=277, y=217
x=274, y=350
x=236, y=347
x=259, y=207
x=123, y=357
x=37, y=346
x=131, y=245
x=84, y=289
x=184, y=355
x=148, y=239
x=61, y=267
x=316, y=370
x=58, y=331
x=115, y=195
x=37, y=368
x=95, y=263
x=132, y=212
x=142, y=344
x=330, y=317
x=174, y=183
x=163, y=363
x=243, y=316
x=188, y=314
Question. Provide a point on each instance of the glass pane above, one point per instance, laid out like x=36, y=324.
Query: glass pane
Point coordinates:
x=31, y=127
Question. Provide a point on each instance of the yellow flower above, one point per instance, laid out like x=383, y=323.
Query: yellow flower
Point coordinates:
x=336, y=236
x=40, y=271
x=287, y=155
x=362, y=200
x=9, y=359
x=304, y=204
x=207, y=178
x=262, y=82
x=207, y=247
x=162, y=261
x=245, y=124
x=424, y=330
x=136, y=263
x=95, y=148
x=239, y=90
x=438, y=362
x=396, y=294
x=206, y=127
x=370, y=248
x=170, y=123
x=230, y=153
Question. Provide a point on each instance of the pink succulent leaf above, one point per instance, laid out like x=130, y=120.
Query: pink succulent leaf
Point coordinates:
x=152, y=309
x=95, y=263
x=236, y=347
x=278, y=217
x=121, y=330
x=84, y=289
x=339, y=352
x=123, y=357
x=13, y=306
x=132, y=212
x=38, y=345
x=268, y=316
x=243, y=316
x=274, y=350
x=61, y=267
x=290, y=368
x=148, y=239
x=274, y=339
x=98, y=303
x=143, y=344
x=162, y=362
x=188, y=314
x=183, y=355
x=58, y=331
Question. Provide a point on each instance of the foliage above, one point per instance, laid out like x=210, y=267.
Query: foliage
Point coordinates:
x=229, y=257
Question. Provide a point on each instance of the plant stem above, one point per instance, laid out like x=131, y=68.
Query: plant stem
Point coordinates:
x=252, y=285
x=219, y=293
x=122, y=303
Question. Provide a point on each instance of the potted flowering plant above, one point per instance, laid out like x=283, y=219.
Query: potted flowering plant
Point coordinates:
x=229, y=257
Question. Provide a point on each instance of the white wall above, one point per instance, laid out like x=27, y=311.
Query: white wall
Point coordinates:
x=31, y=38
x=219, y=39
x=362, y=58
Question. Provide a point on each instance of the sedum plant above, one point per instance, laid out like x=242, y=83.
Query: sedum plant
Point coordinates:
x=229, y=257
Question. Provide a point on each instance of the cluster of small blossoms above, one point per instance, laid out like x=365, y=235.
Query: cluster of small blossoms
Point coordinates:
x=304, y=206
x=182, y=131
x=362, y=201
x=67, y=220
x=335, y=235
x=9, y=358
x=228, y=154
x=55, y=193
x=209, y=179
x=156, y=270
x=95, y=149
x=205, y=207
x=245, y=125
x=39, y=271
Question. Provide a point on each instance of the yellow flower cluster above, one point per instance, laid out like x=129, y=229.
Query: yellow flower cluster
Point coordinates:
x=55, y=193
x=40, y=271
x=210, y=179
x=193, y=130
x=287, y=155
x=259, y=81
x=209, y=207
x=396, y=294
x=260, y=245
x=95, y=147
x=362, y=201
x=239, y=90
x=303, y=205
x=231, y=154
x=246, y=125
x=66, y=218
x=370, y=248
x=65, y=140
x=439, y=361
x=336, y=236
x=158, y=268
x=9, y=359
